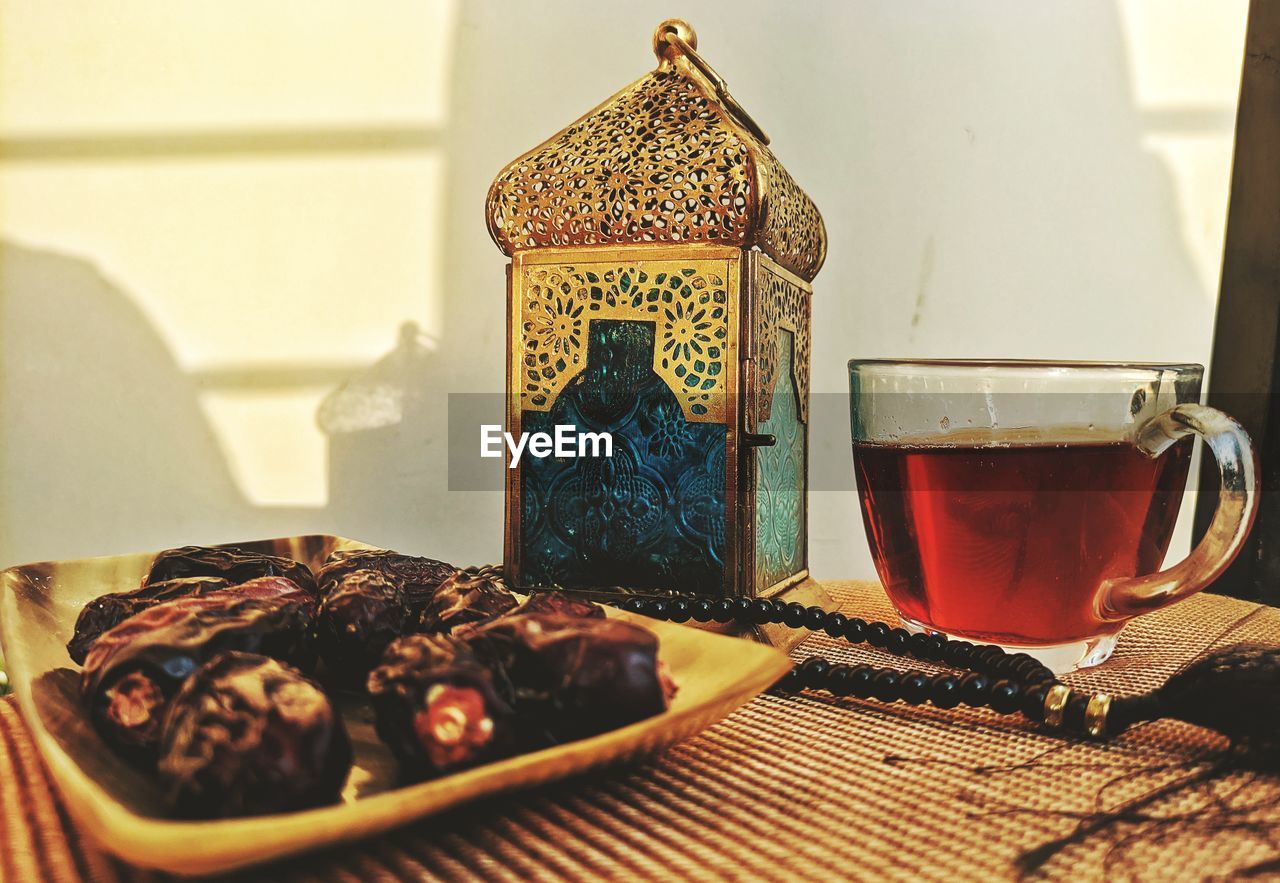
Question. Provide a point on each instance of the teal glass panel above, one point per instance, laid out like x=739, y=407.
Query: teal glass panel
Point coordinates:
x=650, y=517
x=780, y=527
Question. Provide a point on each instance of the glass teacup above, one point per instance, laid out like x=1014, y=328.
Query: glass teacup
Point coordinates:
x=1030, y=504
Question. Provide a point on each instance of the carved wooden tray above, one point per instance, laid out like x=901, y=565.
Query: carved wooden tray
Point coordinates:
x=121, y=807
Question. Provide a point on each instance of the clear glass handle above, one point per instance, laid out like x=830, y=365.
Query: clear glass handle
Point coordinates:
x=1121, y=599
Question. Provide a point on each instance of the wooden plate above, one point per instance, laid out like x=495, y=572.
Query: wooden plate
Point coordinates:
x=121, y=807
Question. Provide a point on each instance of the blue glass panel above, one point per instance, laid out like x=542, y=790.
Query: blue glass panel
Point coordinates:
x=780, y=523
x=650, y=517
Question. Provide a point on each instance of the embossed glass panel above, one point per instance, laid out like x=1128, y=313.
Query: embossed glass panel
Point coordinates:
x=780, y=527
x=652, y=515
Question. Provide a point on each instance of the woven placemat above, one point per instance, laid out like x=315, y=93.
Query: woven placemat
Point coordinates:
x=817, y=787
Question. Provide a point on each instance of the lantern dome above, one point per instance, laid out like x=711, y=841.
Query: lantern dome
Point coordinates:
x=671, y=159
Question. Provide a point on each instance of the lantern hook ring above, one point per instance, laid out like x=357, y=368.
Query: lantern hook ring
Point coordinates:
x=677, y=37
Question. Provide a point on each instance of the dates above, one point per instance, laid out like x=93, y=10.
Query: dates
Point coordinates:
x=133, y=670
x=230, y=563
x=557, y=603
x=573, y=677
x=266, y=588
x=418, y=577
x=465, y=597
x=109, y=611
x=204, y=673
x=246, y=735
x=515, y=683
x=363, y=611
x=436, y=707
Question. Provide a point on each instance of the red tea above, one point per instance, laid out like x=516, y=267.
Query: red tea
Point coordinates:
x=1009, y=542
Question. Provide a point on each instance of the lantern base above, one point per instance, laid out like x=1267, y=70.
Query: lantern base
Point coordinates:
x=808, y=592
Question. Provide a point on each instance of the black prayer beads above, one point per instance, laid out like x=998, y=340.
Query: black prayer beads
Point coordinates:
x=1007, y=683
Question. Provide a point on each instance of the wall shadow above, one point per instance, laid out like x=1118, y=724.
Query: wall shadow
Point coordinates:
x=103, y=446
x=388, y=454
x=102, y=434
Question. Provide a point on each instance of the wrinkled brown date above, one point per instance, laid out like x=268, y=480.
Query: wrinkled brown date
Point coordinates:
x=230, y=563
x=572, y=677
x=363, y=611
x=419, y=577
x=464, y=598
x=132, y=670
x=109, y=611
x=266, y=588
x=246, y=735
x=436, y=707
x=557, y=603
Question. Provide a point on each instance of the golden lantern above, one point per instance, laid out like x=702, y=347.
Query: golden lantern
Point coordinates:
x=659, y=291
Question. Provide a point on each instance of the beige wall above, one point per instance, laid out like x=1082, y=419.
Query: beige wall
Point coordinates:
x=213, y=216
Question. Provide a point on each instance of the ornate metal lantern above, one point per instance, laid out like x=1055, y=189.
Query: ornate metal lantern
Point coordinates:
x=659, y=290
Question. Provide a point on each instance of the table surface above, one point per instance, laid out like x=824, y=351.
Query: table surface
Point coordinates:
x=814, y=786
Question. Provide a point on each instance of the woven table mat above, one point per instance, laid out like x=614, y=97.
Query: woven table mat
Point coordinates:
x=816, y=787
